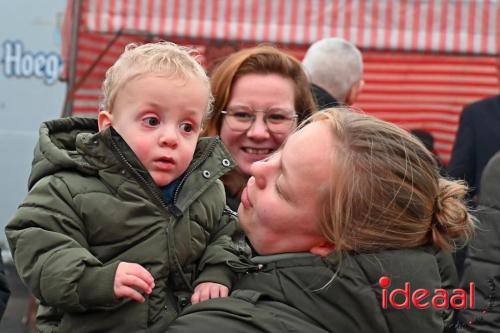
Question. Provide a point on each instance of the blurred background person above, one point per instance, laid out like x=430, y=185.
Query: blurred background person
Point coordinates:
x=427, y=139
x=261, y=94
x=478, y=139
x=335, y=69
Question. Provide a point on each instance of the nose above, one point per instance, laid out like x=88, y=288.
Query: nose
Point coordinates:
x=169, y=137
x=258, y=171
x=258, y=130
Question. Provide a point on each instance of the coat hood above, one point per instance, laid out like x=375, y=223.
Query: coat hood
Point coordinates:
x=57, y=147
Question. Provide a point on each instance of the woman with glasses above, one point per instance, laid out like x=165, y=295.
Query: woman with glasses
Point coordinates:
x=261, y=94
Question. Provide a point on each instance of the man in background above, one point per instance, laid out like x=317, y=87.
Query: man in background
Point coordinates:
x=335, y=69
x=478, y=139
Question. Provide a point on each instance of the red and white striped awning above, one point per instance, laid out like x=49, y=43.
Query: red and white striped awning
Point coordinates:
x=457, y=26
x=416, y=90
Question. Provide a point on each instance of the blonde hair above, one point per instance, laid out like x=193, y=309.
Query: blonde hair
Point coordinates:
x=161, y=58
x=386, y=191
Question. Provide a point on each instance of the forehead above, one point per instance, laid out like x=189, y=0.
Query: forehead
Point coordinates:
x=307, y=154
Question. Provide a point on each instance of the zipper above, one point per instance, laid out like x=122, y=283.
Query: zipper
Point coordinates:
x=143, y=181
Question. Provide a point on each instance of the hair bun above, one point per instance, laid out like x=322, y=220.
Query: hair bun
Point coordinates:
x=451, y=220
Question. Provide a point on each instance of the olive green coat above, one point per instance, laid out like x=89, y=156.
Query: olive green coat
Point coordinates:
x=91, y=204
x=306, y=293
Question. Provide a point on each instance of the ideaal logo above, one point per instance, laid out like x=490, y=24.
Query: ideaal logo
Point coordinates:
x=400, y=298
x=20, y=63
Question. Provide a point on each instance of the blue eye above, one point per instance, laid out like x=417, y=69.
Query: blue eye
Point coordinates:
x=151, y=121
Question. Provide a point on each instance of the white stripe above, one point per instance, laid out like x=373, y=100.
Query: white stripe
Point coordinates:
x=286, y=27
x=300, y=19
x=104, y=15
x=91, y=15
x=408, y=28
x=464, y=26
x=422, y=29
x=379, y=42
x=368, y=21
x=353, y=29
x=233, y=20
x=116, y=18
x=493, y=28
x=340, y=19
x=273, y=29
x=195, y=17
x=220, y=19
x=247, y=19
x=207, y=20
x=409, y=116
x=450, y=27
x=259, y=31
x=327, y=22
x=436, y=26
x=478, y=22
x=182, y=21
x=314, y=15
x=393, y=40
x=130, y=15
x=155, y=19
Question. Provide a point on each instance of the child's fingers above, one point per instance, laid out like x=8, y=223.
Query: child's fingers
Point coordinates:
x=137, y=282
x=224, y=291
x=195, y=298
x=142, y=273
x=127, y=292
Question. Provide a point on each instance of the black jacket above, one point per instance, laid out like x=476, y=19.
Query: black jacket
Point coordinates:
x=482, y=263
x=306, y=293
x=478, y=139
x=323, y=98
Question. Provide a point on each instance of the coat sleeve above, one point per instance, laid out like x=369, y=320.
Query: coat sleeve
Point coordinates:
x=226, y=249
x=48, y=242
x=462, y=163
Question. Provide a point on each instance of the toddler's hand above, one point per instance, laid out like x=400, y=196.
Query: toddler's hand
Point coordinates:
x=208, y=290
x=131, y=277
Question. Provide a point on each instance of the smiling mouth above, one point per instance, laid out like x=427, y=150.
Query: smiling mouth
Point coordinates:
x=257, y=151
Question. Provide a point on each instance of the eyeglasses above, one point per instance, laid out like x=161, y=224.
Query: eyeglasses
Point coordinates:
x=241, y=118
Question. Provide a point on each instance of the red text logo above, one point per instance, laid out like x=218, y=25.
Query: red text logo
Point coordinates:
x=401, y=298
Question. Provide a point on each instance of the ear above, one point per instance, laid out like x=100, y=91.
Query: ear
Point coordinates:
x=352, y=95
x=104, y=119
x=323, y=249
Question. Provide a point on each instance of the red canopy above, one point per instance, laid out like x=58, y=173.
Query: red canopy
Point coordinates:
x=423, y=59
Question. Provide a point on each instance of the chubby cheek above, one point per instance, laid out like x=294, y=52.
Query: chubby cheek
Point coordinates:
x=230, y=139
x=141, y=149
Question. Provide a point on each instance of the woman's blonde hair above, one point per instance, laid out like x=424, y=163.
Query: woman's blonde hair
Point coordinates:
x=161, y=58
x=262, y=59
x=386, y=191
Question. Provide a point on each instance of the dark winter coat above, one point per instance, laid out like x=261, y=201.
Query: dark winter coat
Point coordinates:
x=478, y=139
x=306, y=293
x=482, y=262
x=91, y=205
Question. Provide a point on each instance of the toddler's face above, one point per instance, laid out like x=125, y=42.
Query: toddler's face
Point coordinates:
x=160, y=118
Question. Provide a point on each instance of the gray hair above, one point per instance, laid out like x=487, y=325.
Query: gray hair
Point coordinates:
x=335, y=65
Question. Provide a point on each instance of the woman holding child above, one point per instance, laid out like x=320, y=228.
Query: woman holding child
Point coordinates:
x=349, y=199
x=261, y=94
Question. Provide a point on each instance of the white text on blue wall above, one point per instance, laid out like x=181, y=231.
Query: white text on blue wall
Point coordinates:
x=24, y=64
